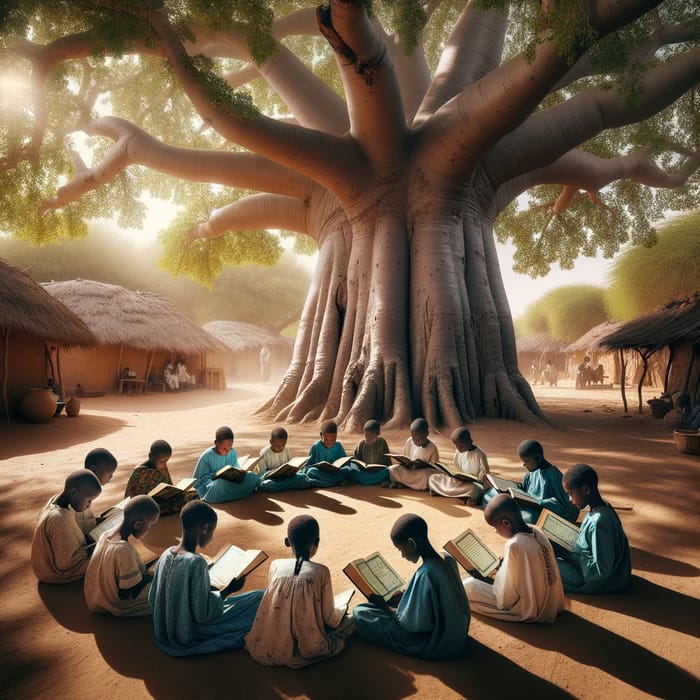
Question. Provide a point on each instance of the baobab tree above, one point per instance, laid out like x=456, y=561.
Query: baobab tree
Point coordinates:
x=437, y=117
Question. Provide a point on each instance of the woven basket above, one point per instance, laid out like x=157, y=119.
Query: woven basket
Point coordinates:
x=687, y=441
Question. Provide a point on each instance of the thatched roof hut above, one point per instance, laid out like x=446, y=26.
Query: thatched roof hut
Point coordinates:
x=535, y=351
x=33, y=324
x=138, y=331
x=590, y=340
x=540, y=343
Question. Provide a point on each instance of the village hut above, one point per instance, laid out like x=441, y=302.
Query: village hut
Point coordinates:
x=675, y=326
x=536, y=351
x=138, y=335
x=588, y=345
x=244, y=343
x=34, y=327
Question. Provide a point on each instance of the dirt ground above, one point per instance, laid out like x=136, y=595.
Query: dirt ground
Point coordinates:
x=640, y=644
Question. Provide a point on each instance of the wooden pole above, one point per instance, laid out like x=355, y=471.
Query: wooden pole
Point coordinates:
x=119, y=364
x=645, y=367
x=623, y=379
x=59, y=372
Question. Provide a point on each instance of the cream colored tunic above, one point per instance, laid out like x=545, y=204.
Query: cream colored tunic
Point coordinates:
x=416, y=479
x=472, y=462
x=59, y=553
x=115, y=564
x=527, y=587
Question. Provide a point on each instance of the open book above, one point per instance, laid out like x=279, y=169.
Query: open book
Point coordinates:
x=108, y=520
x=456, y=473
x=148, y=555
x=500, y=484
x=332, y=466
x=165, y=492
x=108, y=512
x=342, y=600
x=374, y=574
x=523, y=497
x=557, y=529
x=245, y=464
x=365, y=467
x=410, y=463
x=290, y=468
x=233, y=562
x=472, y=553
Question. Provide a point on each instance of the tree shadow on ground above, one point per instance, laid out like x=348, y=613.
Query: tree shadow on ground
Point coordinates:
x=595, y=646
x=655, y=563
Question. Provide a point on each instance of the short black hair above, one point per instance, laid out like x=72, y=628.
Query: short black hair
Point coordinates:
x=278, y=434
x=302, y=533
x=409, y=526
x=420, y=426
x=196, y=513
x=461, y=435
x=530, y=448
x=139, y=508
x=372, y=426
x=159, y=448
x=98, y=457
x=329, y=427
x=223, y=433
x=581, y=475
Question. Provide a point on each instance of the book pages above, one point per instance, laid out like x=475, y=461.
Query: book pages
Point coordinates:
x=472, y=553
x=234, y=563
x=557, y=529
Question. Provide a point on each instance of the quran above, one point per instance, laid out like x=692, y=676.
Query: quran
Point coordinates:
x=365, y=467
x=165, y=492
x=522, y=496
x=332, y=466
x=456, y=473
x=287, y=469
x=245, y=464
x=557, y=529
x=108, y=512
x=410, y=463
x=501, y=484
x=374, y=575
x=234, y=562
x=472, y=553
x=108, y=520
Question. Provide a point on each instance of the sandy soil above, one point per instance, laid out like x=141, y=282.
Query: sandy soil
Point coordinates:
x=641, y=644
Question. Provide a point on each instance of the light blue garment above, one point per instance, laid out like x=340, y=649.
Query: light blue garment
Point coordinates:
x=221, y=490
x=190, y=618
x=600, y=562
x=432, y=620
x=297, y=482
x=365, y=478
x=320, y=478
x=545, y=485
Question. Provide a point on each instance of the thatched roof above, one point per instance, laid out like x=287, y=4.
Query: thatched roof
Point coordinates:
x=590, y=340
x=25, y=307
x=677, y=320
x=238, y=336
x=541, y=343
x=118, y=316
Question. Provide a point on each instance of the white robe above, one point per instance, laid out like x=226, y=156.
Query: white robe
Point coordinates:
x=415, y=478
x=472, y=462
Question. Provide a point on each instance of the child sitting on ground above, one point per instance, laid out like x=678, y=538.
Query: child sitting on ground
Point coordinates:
x=60, y=553
x=469, y=459
x=297, y=622
x=102, y=463
x=418, y=446
x=600, y=561
x=542, y=482
x=116, y=580
x=432, y=617
x=189, y=617
x=275, y=455
x=527, y=587
x=155, y=471
x=371, y=450
x=214, y=458
x=327, y=449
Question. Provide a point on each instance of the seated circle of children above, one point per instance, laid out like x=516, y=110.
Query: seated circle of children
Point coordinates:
x=154, y=471
x=543, y=482
x=60, y=553
x=188, y=616
x=297, y=622
x=418, y=446
x=102, y=463
x=116, y=580
x=600, y=561
x=527, y=586
x=222, y=454
x=468, y=458
x=372, y=449
x=327, y=449
x=275, y=455
x=432, y=617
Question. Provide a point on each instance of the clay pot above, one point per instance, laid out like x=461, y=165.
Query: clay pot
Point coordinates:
x=73, y=407
x=38, y=406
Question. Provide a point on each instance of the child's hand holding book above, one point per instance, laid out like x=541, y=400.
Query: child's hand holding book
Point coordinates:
x=234, y=586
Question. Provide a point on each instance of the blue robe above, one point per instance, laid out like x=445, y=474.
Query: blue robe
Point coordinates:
x=220, y=490
x=320, y=478
x=600, y=561
x=432, y=620
x=190, y=618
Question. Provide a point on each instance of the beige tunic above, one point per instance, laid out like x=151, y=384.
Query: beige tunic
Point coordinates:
x=472, y=462
x=416, y=479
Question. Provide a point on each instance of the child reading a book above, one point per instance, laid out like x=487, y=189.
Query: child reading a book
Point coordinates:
x=155, y=471
x=372, y=449
x=297, y=622
x=116, y=580
x=327, y=449
x=418, y=446
x=600, y=561
x=102, y=463
x=542, y=483
x=214, y=458
x=469, y=459
x=188, y=616
x=527, y=586
x=275, y=455
x=432, y=617
x=60, y=553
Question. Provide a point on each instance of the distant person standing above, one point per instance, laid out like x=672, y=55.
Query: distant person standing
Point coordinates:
x=265, y=364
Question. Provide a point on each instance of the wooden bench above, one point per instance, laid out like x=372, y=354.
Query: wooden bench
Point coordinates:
x=133, y=386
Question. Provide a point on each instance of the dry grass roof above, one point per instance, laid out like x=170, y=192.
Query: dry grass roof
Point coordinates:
x=540, y=342
x=590, y=340
x=677, y=320
x=238, y=336
x=27, y=308
x=118, y=316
